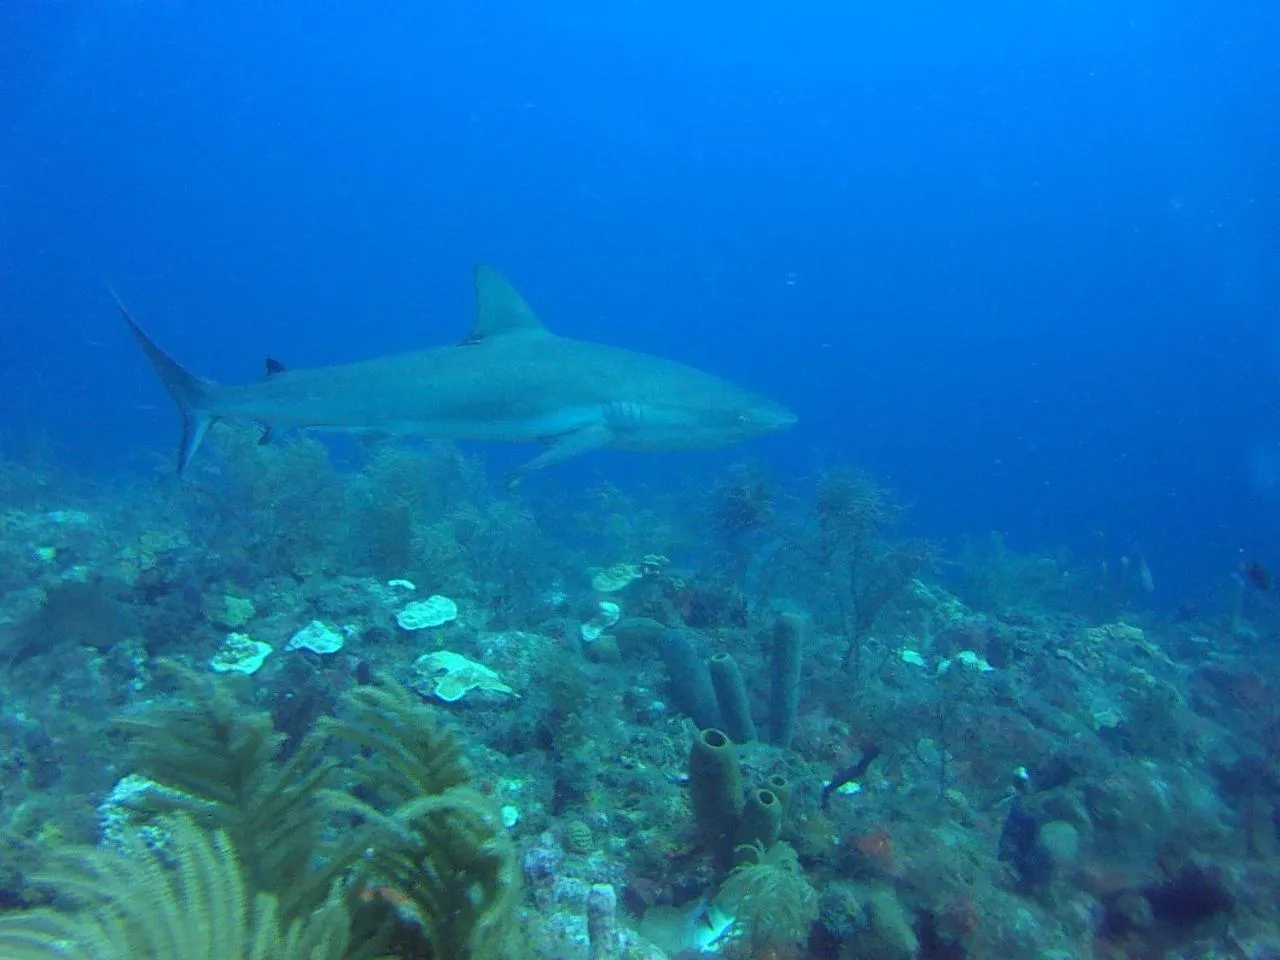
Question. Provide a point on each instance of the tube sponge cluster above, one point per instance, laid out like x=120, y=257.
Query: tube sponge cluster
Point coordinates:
x=727, y=818
x=714, y=694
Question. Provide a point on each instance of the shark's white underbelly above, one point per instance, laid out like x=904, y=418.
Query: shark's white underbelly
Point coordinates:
x=541, y=428
x=544, y=427
x=618, y=423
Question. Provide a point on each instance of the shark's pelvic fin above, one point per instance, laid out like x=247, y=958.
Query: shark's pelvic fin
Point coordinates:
x=500, y=310
x=190, y=393
x=273, y=368
x=570, y=445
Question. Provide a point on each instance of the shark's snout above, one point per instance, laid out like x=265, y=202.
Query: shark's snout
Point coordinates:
x=772, y=417
x=783, y=418
x=759, y=417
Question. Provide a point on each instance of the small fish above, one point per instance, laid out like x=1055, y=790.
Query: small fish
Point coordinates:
x=852, y=772
x=1255, y=573
x=399, y=901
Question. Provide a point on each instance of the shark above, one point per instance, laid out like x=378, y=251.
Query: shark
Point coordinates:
x=510, y=379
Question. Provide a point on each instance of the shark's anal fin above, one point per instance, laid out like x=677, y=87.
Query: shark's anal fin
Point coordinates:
x=569, y=445
x=273, y=368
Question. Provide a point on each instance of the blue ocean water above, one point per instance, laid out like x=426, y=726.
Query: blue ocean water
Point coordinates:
x=1017, y=260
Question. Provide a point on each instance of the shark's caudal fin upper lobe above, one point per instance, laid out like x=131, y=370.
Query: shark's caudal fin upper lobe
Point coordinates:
x=189, y=392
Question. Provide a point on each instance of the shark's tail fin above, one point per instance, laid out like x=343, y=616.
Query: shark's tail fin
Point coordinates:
x=192, y=394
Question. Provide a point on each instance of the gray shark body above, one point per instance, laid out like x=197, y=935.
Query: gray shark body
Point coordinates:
x=509, y=380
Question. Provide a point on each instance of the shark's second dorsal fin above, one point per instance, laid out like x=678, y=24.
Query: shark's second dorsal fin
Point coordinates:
x=500, y=310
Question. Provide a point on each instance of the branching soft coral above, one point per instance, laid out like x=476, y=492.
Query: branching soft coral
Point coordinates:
x=256, y=850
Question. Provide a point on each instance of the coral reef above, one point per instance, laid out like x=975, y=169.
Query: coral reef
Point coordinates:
x=747, y=718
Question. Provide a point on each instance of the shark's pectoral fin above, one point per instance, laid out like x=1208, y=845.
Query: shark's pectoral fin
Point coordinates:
x=568, y=445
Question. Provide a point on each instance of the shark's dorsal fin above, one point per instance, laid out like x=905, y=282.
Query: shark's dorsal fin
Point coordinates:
x=500, y=310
